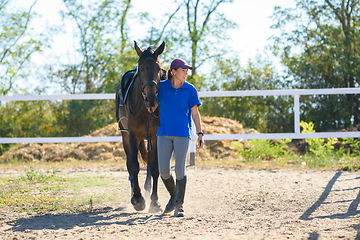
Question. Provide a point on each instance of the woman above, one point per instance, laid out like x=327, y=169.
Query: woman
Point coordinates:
x=179, y=101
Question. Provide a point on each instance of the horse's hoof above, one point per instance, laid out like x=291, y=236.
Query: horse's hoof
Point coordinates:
x=138, y=203
x=155, y=207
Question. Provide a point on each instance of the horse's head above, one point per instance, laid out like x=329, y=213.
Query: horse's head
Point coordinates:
x=149, y=74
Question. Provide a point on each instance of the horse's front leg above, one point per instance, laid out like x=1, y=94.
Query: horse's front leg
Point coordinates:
x=137, y=200
x=155, y=206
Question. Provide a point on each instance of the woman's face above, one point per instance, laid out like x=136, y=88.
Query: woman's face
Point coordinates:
x=180, y=74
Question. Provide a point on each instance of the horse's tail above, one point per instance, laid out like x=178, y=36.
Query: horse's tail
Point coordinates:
x=143, y=151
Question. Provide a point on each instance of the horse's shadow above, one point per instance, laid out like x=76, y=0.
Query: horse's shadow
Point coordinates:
x=101, y=217
x=352, y=210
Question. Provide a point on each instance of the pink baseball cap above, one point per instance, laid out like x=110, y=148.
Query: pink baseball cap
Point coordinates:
x=180, y=63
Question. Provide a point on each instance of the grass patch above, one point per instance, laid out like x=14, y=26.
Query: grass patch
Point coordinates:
x=39, y=191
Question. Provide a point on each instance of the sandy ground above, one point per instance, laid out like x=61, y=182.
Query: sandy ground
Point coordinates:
x=219, y=204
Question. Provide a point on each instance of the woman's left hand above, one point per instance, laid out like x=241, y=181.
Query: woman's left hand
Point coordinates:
x=200, y=141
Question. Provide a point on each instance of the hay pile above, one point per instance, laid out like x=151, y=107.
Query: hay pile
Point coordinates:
x=114, y=150
x=221, y=149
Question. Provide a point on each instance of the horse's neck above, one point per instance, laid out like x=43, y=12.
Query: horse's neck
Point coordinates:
x=135, y=93
x=137, y=87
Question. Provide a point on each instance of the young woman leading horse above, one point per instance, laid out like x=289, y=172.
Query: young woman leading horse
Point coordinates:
x=143, y=121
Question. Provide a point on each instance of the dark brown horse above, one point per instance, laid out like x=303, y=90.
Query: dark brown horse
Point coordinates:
x=143, y=121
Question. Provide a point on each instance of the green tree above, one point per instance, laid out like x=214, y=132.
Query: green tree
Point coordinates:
x=123, y=29
x=103, y=61
x=98, y=24
x=160, y=28
x=264, y=113
x=17, y=44
x=206, y=28
x=27, y=119
x=319, y=45
x=78, y=118
x=197, y=32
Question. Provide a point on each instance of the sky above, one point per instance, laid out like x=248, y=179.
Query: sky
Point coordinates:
x=248, y=40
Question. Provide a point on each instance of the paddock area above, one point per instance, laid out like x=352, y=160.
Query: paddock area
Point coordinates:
x=219, y=204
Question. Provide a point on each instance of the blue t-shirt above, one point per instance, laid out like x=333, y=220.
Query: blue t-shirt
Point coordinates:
x=175, y=108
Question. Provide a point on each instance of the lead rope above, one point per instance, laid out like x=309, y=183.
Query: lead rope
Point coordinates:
x=197, y=151
x=148, y=133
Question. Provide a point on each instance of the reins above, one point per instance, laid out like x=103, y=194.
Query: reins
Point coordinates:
x=141, y=98
x=149, y=146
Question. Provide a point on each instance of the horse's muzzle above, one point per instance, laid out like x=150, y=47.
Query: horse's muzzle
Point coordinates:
x=151, y=101
x=150, y=90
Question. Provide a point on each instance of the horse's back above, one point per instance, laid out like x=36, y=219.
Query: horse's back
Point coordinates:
x=126, y=82
x=122, y=92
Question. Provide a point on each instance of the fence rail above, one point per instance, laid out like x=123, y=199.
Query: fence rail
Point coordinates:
x=108, y=96
x=194, y=137
x=294, y=92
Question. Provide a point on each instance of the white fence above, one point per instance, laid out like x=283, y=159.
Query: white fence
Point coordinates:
x=296, y=135
x=295, y=92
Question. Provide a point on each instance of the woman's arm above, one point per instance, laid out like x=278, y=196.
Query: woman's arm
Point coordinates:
x=197, y=120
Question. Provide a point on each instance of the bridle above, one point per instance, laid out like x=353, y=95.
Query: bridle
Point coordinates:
x=148, y=83
x=142, y=88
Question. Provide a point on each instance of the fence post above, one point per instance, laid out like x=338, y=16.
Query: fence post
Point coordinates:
x=192, y=145
x=297, y=113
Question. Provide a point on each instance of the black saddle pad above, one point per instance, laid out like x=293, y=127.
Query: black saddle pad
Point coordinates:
x=126, y=82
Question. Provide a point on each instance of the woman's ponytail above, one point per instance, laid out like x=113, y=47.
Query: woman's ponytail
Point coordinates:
x=170, y=71
x=169, y=75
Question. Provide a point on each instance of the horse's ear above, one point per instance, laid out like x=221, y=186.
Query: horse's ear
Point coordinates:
x=160, y=49
x=138, y=50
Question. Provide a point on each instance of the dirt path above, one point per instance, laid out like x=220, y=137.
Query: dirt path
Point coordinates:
x=220, y=204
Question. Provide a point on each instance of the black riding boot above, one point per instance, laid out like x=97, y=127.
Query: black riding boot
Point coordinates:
x=180, y=194
x=170, y=186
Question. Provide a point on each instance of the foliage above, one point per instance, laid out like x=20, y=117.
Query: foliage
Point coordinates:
x=263, y=149
x=264, y=113
x=318, y=146
x=354, y=146
x=318, y=44
x=197, y=32
x=101, y=65
x=17, y=44
x=103, y=62
x=204, y=25
x=322, y=152
x=27, y=119
x=35, y=175
x=78, y=118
